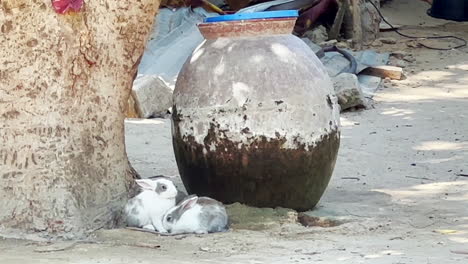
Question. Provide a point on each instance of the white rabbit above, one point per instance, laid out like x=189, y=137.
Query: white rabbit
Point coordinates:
x=199, y=215
x=147, y=208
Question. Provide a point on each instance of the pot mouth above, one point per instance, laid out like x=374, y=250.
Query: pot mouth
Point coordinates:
x=249, y=24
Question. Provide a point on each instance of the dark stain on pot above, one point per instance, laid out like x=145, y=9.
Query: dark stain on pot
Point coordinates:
x=175, y=116
x=245, y=117
x=261, y=173
x=279, y=102
x=329, y=102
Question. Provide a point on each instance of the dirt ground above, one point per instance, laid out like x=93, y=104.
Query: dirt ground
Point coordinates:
x=399, y=187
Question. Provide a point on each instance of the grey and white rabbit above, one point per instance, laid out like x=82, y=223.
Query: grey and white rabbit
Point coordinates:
x=195, y=214
x=148, y=207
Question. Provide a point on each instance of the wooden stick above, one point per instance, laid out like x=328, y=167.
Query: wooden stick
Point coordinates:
x=357, y=25
x=336, y=28
x=384, y=71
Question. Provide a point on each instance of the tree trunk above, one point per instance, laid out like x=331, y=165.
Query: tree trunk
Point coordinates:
x=65, y=81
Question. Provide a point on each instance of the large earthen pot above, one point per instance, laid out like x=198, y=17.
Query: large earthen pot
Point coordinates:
x=255, y=117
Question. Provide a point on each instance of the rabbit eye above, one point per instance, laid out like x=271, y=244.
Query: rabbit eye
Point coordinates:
x=168, y=218
x=164, y=187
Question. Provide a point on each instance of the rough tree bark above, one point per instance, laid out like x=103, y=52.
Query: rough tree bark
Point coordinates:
x=65, y=81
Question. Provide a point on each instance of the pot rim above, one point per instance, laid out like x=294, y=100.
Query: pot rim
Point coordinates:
x=248, y=28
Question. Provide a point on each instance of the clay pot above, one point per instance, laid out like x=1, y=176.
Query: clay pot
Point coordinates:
x=255, y=118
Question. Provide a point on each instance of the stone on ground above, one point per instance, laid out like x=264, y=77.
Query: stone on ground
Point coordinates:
x=317, y=35
x=153, y=97
x=348, y=91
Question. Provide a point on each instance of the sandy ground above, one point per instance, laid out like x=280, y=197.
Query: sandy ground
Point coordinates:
x=395, y=187
x=410, y=13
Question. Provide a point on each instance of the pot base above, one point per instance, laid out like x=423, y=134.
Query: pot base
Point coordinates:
x=262, y=175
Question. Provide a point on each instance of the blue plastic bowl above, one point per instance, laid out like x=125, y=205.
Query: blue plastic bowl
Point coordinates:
x=255, y=15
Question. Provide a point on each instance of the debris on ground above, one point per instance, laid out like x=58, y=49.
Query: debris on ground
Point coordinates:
x=388, y=40
x=175, y=35
x=252, y=218
x=397, y=63
x=59, y=246
x=377, y=43
x=337, y=64
x=309, y=221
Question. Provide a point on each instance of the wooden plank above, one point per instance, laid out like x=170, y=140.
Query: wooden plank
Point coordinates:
x=336, y=28
x=385, y=71
x=352, y=25
x=357, y=24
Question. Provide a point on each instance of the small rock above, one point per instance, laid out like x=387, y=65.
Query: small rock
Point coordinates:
x=399, y=54
x=388, y=40
x=204, y=249
x=377, y=43
x=152, y=95
x=413, y=44
x=146, y=245
x=308, y=221
x=348, y=91
x=402, y=55
x=409, y=59
x=317, y=35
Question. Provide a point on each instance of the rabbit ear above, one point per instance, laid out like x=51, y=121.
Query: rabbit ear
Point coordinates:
x=145, y=184
x=189, y=203
x=183, y=207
